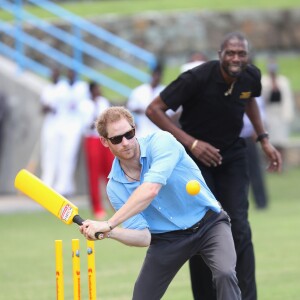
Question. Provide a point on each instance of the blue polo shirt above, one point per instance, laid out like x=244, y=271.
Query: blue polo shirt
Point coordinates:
x=165, y=161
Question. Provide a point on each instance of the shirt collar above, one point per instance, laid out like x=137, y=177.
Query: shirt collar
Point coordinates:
x=219, y=77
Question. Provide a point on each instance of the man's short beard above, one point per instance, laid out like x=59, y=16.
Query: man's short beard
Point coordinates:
x=234, y=75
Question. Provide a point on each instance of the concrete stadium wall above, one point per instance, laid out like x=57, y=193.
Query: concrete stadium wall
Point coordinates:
x=22, y=125
x=175, y=34
x=22, y=120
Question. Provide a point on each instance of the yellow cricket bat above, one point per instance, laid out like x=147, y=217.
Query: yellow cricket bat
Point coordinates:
x=41, y=193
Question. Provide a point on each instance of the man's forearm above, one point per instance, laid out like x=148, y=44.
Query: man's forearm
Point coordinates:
x=131, y=237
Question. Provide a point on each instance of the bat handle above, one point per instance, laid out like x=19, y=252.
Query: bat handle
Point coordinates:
x=97, y=235
x=78, y=220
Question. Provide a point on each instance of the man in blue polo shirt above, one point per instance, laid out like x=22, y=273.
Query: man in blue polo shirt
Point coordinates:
x=147, y=189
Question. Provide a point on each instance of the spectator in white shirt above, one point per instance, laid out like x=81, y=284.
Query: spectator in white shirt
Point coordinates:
x=141, y=97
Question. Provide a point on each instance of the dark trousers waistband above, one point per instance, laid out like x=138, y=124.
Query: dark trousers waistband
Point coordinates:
x=197, y=225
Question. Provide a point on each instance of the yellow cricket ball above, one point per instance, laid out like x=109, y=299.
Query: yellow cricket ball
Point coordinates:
x=193, y=187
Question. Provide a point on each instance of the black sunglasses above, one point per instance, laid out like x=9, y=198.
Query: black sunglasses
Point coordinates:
x=119, y=138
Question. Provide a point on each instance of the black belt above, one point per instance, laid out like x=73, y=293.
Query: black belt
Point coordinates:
x=197, y=225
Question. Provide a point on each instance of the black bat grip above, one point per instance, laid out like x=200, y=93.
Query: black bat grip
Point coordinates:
x=97, y=235
x=78, y=220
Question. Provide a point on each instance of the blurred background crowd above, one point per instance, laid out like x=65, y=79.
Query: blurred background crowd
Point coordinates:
x=60, y=69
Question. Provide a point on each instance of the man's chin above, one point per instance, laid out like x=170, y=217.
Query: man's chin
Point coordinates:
x=234, y=74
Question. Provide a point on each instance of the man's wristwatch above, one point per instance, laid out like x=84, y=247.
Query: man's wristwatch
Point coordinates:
x=262, y=136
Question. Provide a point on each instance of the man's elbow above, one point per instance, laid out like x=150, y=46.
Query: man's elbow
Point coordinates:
x=146, y=241
x=143, y=239
x=151, y=189
x=146, y=244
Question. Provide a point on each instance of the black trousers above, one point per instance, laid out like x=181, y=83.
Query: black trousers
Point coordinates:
x=229, y=183
x=169, y=251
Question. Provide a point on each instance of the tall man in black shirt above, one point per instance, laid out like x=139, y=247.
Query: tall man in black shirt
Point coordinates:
x=214, y=96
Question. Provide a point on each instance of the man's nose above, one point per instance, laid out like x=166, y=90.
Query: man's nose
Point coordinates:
x=124, y=141
x=236, y=57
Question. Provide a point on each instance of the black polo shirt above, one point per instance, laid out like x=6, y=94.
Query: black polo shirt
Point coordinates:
x=208, y=114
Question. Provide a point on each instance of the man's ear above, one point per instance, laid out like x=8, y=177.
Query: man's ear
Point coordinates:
x=104, y=141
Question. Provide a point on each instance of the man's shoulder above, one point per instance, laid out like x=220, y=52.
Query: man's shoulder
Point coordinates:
x=204, y=67
x=159, y=136
x=160, y=143
x=162, y=134
x=253, y=71
x=205, y=70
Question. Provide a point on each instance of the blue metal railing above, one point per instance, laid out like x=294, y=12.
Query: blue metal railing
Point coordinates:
x=63, y=59
x=28, y=63
x=80, y=45
x=75, y=41
x=96, y=31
